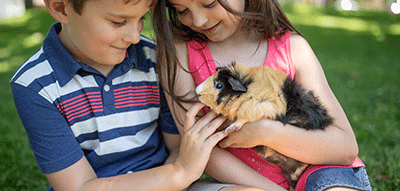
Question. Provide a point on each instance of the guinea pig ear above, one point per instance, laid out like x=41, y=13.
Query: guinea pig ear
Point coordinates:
x=220, y=68
x=237, y=85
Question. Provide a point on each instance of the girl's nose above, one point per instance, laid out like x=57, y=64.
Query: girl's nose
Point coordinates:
x=199, y=19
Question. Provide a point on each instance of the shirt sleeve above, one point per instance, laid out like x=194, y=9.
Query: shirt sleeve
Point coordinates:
x=166, y=121
x=50, y=137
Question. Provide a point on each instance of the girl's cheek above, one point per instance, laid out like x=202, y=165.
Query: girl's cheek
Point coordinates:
x=184, y=20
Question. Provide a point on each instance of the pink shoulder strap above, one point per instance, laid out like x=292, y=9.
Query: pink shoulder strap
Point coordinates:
x=201, y=63
x=279, y=55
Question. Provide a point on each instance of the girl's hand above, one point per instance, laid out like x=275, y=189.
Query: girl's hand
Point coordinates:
x=251, y=134
x=197, y=142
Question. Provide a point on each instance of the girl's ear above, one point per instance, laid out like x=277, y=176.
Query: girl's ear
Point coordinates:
x=58, y=9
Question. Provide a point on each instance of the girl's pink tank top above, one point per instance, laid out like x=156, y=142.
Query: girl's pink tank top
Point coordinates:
x=279, y=57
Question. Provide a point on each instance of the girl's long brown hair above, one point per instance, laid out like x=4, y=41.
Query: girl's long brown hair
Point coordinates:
x=265, y=18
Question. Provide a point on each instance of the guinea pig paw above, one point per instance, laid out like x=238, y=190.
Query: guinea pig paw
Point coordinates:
x=233, y=127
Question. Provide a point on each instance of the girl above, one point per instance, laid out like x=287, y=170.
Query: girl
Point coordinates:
x=194, y=37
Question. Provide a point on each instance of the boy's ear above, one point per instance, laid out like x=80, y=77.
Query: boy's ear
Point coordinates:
x=58, y=9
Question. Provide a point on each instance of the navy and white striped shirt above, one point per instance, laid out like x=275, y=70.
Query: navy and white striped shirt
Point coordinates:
x=70, y=110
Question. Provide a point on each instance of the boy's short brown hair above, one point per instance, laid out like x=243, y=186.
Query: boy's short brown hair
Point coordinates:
x=78, y=4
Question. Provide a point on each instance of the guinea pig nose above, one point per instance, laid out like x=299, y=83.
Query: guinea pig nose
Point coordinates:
x=199, y=88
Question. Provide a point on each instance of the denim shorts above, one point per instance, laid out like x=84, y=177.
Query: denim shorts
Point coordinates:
x=356, y=178
x=207, y=185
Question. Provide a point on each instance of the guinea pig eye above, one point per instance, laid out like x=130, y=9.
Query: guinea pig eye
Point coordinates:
x=219, y=85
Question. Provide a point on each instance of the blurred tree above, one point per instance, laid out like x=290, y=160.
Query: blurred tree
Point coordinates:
x=29, y=4
x=364, y=4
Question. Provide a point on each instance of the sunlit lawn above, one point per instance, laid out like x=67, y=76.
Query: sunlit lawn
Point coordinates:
x=359, y=52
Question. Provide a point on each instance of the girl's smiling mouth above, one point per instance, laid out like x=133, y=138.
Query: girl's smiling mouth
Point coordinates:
x=210, y=30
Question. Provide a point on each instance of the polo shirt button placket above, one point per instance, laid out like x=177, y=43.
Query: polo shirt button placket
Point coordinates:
x=106, y=88
x=108, y=99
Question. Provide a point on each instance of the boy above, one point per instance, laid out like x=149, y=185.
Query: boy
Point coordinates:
x=92, y=108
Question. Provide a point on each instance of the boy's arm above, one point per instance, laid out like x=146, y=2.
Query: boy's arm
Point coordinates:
x=80, y=176
x=172, y=141
x=62, y=160
x=194, y=152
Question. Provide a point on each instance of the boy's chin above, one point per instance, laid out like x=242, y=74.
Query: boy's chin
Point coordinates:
x=116, y=61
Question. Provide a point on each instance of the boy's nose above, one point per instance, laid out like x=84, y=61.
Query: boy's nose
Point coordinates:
x=132, y=34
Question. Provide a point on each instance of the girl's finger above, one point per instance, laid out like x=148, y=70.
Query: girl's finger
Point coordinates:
x=225, y=143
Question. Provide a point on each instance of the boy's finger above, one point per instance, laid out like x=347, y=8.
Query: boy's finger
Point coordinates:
x=209, y=129
x=190, y=117
x=204, y=121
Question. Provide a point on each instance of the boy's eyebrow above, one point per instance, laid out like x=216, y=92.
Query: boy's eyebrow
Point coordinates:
x=119, y=15
x=122, y=15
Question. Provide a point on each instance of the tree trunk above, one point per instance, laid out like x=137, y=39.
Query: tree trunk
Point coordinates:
x=330, y=3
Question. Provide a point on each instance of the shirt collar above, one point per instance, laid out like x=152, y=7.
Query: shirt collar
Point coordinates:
x=66, y=67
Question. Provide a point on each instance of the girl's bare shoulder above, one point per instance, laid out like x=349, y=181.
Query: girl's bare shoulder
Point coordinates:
x=182, y=52
x=302, y=54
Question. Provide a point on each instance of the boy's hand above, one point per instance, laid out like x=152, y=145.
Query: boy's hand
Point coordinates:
x=197, y=142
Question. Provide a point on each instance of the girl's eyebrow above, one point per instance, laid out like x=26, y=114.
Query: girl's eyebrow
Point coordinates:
x=173, y=4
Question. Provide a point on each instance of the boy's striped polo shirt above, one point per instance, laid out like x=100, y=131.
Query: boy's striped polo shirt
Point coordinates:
x=70, y=110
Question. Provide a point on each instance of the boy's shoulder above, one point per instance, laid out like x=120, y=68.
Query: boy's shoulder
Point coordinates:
x=43, y=62
x=145, y=41
x=148, y=48
x=33, y=68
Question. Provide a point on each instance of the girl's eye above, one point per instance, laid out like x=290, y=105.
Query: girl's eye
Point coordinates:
x=219, y=85
x=181, y=12
x=212, y=4
x=119, y=24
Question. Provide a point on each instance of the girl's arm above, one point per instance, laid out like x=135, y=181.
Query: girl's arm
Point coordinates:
x=335, y=145
x=222, y=166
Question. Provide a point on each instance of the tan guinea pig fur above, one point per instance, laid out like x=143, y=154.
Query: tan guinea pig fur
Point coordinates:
x=245, y=94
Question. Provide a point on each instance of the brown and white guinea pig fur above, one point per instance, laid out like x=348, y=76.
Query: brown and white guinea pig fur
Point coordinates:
x=248, y=94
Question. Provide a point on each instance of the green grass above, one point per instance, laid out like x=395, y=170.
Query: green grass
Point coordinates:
x=359, y=52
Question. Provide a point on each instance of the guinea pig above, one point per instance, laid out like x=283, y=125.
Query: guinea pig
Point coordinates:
x=248, y=94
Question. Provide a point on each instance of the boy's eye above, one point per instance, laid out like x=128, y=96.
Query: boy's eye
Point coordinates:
x=119, y=23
